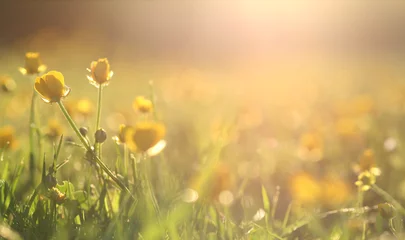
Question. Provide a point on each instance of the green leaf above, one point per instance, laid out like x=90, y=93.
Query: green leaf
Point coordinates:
x=266, y=204
x=67, y=188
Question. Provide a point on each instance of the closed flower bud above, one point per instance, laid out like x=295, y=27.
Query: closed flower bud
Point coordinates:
x=100, y=135
x=83, y=131
x=33, y=64
x=386, y=210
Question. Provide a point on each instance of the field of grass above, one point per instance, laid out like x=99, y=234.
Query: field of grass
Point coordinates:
x=166, y=151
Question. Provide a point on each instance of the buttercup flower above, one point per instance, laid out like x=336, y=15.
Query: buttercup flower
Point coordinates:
x=121, y=137
x=84, y=107
x=33, y=64
x=100, y=72
x=145, y=136
x=7, y=137
x=51, y=87
x=305, y=189
x=367, y=163
x=142, y=105
x=7, y=84
x=365, y=180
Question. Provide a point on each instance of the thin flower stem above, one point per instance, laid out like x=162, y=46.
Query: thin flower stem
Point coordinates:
x=100, y=95
x=32, y=132
x=89, y=149
x=388, y=198
x=126, y=161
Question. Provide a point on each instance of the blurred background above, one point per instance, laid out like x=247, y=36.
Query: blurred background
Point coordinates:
x=295, y=91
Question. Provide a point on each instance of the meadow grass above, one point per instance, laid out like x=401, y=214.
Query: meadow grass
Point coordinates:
x=168, y=169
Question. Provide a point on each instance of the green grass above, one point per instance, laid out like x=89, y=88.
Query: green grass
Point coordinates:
x=229, y=170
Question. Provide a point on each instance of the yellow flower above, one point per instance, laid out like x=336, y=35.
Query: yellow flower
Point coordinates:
x=51, y=87
x=55, y=129
x=142, y=105
x=84, y=107
x=7, y=137
x=7, y=84
x=33, y=64
x=365, y=180
x=305, y=189
x=145, y=135
x=367, y=163
x=100, y=72
x=311, y=147
x=335, y=192
x=121, y=137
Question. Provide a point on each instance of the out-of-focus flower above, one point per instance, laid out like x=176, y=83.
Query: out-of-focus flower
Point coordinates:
x=305, y=189
x=335, y=192
x=84, y=107
x=122, y=133
x=7, y=84
x=367, y=163
x=365, y=180
x=54, y=129
x=51, y=87
x=7, y=137
x=100, y=72
x=311, y=147
x=347, y=127
x=144, y=136
x=142, y=104
x=33, y=64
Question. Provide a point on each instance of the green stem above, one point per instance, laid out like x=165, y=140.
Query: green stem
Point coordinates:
x=100, y=95
x=32, y=133
x=388, y=198
x=126, y=161
x=89, y=149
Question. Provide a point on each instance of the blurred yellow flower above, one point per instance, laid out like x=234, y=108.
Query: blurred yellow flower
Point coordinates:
x=84, y=107
x=7, y=84
x=7, y=137
x=121, y=137
x=311, y=147
x=51, y=87
x=145, y=135
x=33, y=64
x=54, y=129
x=367, y=163
x=100, y=72
x=335, y=192
x=305, y=189
x=142, y=104
x=365, y=180
x=347, y=127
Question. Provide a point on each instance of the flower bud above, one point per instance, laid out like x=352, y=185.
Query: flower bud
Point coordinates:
x=83, y=131
x=100, y=135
